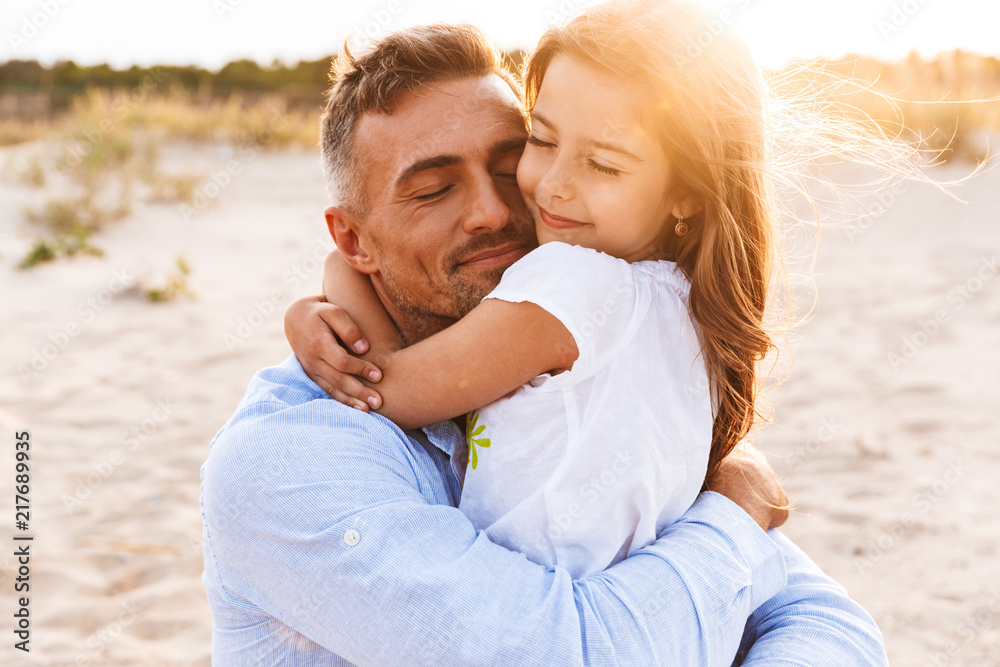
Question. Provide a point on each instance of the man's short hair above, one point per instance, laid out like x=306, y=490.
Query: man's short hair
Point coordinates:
x=402, y=61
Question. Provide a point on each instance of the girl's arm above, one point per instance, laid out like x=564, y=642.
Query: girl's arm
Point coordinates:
x=492, y=351
x=319, y=332
x=316, y=331
x=353, y=291
x=487, y=354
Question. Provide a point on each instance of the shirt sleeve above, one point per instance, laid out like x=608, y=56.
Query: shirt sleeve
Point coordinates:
x=333, y=538
x=594, y=295
x=812, y=621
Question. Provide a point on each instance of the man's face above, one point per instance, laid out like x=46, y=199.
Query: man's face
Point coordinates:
x=445, y=215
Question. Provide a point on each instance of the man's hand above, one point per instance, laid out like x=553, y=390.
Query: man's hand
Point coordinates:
x=746, y=478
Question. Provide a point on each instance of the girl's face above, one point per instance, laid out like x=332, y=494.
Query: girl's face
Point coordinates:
x=590, y=174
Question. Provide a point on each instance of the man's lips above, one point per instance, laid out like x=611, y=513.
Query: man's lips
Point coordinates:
x=558, y=222
x=508, y=253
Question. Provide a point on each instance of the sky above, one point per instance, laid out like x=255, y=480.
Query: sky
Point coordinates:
x=210, y=33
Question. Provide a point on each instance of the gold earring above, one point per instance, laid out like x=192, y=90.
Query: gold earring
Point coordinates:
x=680, y=228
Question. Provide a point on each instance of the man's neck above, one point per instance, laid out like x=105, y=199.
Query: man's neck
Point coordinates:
x=414, y=325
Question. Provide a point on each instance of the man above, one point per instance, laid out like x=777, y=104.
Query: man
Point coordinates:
x=332, y=537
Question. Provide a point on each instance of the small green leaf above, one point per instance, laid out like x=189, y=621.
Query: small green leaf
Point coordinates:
x=472, y=429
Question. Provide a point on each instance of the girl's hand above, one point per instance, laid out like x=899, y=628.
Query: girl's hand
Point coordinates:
x=313, y=327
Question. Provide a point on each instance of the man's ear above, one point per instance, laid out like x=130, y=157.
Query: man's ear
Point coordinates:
x=347, y=233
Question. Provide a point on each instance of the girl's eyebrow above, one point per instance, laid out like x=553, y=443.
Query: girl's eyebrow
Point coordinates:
x=616, y=149
x=541, y=119
x=596, y=144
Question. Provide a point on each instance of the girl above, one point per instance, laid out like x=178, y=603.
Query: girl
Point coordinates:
x=646, y=172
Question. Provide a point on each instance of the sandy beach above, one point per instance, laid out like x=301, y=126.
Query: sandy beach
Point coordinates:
x=885, y=434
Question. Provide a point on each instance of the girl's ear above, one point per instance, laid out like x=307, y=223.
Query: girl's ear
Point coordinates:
x=347, y=233
x=687, y=206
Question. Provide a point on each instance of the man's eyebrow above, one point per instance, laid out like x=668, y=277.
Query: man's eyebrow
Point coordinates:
x=438, y=161
x=596, y=144
x=435, y=162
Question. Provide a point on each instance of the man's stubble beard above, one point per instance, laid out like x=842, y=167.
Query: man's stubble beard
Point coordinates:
x=445, y=305
x=450, y=304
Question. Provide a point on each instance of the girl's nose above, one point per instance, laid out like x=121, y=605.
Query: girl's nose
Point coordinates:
x=557, y=183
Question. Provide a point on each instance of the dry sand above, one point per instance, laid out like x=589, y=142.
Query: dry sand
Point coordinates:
x=893, y=463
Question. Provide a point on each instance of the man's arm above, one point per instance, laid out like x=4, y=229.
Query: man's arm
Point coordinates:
x=328, y=527
x=811, y=622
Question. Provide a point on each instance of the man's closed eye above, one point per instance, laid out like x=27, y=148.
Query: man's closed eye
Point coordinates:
x=433, y=195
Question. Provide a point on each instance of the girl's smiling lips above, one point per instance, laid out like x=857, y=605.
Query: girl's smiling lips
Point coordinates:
x=559, y=223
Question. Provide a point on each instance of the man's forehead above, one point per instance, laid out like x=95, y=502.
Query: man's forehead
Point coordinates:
x=451, y=117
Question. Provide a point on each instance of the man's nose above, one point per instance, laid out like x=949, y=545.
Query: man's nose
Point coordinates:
x=489, y=212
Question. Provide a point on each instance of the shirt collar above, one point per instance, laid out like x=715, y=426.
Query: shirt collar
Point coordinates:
x=447, y=437
x=444, y=435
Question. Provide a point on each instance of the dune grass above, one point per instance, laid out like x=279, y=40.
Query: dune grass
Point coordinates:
x=104, y=153
x=17, y=131
x=950, y=104
x=178, y=114
x=69, y=222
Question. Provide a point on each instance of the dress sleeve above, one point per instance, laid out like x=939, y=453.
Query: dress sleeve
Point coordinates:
x=595, y=296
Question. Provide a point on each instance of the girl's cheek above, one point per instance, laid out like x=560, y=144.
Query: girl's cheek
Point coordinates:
x=527, y=179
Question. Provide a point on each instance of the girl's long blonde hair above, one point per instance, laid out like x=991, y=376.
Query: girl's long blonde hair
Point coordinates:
x=716, y=118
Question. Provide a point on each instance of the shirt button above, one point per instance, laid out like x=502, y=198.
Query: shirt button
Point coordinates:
x=352, y=537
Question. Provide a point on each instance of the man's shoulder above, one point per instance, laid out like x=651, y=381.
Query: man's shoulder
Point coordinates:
x=276, y=389
x=285, y=418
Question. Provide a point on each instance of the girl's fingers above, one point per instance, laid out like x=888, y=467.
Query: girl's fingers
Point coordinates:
x=341, y=397
x=341, y=323
x=371, y=372
x=347, y=331
x=328, y=377
x=343, y=362
x=335, y=393
x=338, y=395
x=351, y=387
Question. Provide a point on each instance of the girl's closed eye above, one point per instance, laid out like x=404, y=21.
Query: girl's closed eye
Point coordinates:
x=610, y=171
x=604, y=169
x=535, y=141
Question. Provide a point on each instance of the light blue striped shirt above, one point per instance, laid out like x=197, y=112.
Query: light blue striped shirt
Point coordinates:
x=332, y=537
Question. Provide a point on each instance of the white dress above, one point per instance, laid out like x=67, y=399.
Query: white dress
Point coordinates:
x=582, y=468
